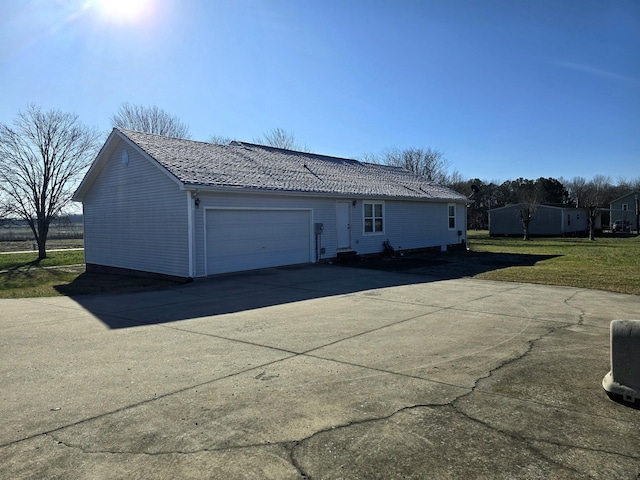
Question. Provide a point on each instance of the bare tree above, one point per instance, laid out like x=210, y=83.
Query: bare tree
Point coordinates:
x=576, y=188
x=280, y=138
x=595, y=196
x=41, y=158
x=149, y=120
x=528, y=201
x=427, y=162
x=457, y=182
x=219, y=139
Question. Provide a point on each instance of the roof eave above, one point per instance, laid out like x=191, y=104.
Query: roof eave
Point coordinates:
x=299, y=193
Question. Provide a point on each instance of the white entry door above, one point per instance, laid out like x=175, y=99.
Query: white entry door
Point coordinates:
x=343, y=224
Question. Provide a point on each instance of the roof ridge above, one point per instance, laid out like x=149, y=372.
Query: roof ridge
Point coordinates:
x=240, y=143
x=125, y=131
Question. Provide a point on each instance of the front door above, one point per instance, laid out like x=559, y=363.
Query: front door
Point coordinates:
x=343, y=224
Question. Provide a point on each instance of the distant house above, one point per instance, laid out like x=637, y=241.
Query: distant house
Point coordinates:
x=192, y=209
x=548, y=220
x=625, y=208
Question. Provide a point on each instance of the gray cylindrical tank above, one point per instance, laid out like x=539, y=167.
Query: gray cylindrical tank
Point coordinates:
x=624, y=377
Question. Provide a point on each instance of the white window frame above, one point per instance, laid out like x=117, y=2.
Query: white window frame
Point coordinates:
x=373, y=218
x=450, y=217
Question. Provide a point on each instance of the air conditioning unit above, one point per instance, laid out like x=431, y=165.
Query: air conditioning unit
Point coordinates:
x=624, y=378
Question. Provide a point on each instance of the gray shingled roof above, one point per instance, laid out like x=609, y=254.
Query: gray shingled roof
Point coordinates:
x=258, y=167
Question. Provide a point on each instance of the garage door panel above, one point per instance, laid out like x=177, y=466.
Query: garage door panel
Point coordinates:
x=247, y=239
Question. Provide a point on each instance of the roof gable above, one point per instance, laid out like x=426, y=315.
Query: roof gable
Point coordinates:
x=115, y=138
x=628, y=196
x=246, y=166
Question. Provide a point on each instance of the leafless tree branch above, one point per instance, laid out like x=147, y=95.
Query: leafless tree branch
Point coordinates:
x=41, y=157
x=281, y=138
x=149, y=120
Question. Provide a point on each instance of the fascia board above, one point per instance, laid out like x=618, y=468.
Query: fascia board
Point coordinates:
x=294, y=193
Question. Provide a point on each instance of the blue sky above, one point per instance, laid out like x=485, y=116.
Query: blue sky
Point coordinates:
x=505, y=89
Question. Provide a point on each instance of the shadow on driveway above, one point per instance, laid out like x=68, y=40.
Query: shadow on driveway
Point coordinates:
x=237, y=292
x=450, y=265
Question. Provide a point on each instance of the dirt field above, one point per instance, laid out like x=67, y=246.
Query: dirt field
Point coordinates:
x=23, y=246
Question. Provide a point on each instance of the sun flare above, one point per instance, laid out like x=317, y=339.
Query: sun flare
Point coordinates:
x=124, y=10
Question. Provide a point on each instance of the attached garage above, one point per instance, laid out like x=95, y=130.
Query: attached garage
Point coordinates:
x=245, y=239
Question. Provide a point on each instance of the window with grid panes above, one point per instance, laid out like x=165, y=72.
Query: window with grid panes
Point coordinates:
x=373, y=217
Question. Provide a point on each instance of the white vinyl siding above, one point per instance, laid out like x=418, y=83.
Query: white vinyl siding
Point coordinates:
x=135, y=217
x=407, y=224
x=413, y=225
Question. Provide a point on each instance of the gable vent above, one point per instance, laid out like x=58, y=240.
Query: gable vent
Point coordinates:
x=624, y=378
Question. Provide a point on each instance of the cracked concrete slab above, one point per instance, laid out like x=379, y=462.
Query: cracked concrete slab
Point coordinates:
x=417, y=443
x=305, y=326
x=449, y=346
x=316, y=372
x=71, y=369
x=52, y=459
x=283, y=402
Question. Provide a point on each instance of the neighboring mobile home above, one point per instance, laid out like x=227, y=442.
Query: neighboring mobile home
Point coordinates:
x=192, y=209
x=548, y=220
x=625, y=208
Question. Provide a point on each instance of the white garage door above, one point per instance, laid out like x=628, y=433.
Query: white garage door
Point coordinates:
x=247, y=239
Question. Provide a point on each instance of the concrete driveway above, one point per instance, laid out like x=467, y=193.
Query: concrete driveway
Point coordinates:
x=318, y=372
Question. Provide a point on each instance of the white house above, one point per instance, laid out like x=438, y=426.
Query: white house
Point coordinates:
x=190, y=209
x=548, y=220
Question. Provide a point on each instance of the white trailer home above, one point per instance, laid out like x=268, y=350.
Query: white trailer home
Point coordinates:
x=190, y=209
x=548, y=220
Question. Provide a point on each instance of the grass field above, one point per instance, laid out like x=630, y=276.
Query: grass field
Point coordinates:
x=608, y=263
x=62, y=273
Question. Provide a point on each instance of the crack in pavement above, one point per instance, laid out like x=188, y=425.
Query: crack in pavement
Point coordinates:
x=292, y=446
x=517, y=438
x=475, y=389
x=144, y=402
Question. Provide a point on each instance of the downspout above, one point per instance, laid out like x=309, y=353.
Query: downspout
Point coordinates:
x=191, y=233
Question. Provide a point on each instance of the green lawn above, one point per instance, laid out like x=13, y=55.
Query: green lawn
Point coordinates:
x=607, y=263
x=62, y=273
x=23, y=276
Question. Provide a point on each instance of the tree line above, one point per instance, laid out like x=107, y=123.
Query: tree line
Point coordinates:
x=591, y=194
x=44, y=154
